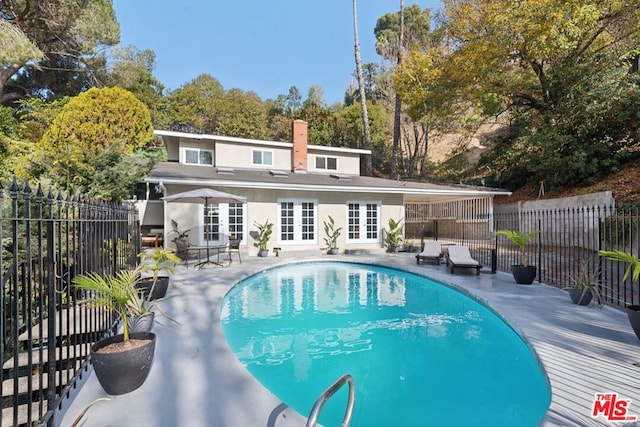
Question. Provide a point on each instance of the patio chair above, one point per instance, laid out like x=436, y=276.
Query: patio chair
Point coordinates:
x=234, y=247
x=431, y=251
x=182, y=250
x=460, y=257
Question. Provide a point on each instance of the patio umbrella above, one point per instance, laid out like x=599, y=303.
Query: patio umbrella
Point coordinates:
x=205, y=196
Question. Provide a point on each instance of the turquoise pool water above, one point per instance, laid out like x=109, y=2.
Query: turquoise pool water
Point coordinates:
x=420, y=352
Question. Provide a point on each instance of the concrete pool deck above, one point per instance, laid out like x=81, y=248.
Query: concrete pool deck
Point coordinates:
x=197, y=381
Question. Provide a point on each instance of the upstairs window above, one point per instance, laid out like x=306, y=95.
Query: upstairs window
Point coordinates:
x=326, y=163
x=197, y=156
x=262, y=158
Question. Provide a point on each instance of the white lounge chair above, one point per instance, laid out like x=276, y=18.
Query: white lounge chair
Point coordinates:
x=431, y=251
x=460, y=257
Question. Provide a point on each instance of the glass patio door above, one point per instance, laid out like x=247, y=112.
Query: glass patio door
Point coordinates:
x=220, y=222
x=297, y=221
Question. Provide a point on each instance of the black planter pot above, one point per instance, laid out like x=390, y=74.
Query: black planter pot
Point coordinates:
x=633, y=313
x=125, y=371
x=333, y=251
x=142, y=323
x=575, y=295
x=524, y=275
x=159, y=290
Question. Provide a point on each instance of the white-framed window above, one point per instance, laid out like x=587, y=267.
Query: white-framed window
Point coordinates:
x=262, y=157
x=197, y=156
x=297, y=221
x=328, y=163
x=363, y=221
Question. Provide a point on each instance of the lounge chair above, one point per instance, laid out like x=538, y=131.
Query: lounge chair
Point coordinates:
x=460, y=257
x=431, y=251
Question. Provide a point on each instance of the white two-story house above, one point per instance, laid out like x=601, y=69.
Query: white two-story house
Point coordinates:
x=294, y=185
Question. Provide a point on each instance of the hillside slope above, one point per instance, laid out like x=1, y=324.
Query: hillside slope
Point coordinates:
x=624, y=184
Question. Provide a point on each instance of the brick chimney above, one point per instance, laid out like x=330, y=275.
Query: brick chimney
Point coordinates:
x=299, y=150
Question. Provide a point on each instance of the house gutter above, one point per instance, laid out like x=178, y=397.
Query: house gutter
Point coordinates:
x=333, y=188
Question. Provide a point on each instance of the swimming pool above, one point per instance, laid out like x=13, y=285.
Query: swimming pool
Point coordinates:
x=421, y=353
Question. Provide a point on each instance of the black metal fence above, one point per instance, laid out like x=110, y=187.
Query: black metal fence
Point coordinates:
x=47, y=239
x=569, y=238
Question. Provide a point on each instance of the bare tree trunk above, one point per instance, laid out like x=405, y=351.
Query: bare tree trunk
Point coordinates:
x=368, y=165
x=398, y=105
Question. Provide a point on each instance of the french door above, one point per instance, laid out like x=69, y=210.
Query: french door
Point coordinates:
x=220, y=222
x=297, y=221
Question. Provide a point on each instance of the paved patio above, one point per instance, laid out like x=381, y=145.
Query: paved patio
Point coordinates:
x=197, y=381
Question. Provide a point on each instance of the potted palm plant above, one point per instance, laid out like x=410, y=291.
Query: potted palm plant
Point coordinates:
x=333, y=234
x=584, y=286
x=523, y=273
x=394, y=235
x=264, y=234
x=160, y=259
x=179, y=235
x=633, y=269
x=121, y=362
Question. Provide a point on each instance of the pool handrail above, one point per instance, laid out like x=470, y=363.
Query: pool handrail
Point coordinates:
x=322, y=399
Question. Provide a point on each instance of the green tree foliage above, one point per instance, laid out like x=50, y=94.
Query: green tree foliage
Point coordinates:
x=292, y=102
x=560, y=69
x=321, y=123
x=372, y=91
x=15, y=46
x=417, y=31
x=12, y=145
x=192, y=108
x=241, y=114
x=203, y=106
x=89, y=143
x=71, y=34
x=349, y=133
x=132, y=69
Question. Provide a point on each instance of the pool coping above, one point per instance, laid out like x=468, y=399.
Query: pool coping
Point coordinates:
x=583, y=350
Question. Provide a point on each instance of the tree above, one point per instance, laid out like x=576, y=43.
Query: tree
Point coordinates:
x=89, y=144
x=12, y=146
x=132, y=69
x=372, y=92
x=349, y=132
x=529, y=54
x=292, y=102
x=70, y=34
x=315, y=96
x=241, y=114
x=396, y=32
x=15, y=46
x=192, y=107
x=368, y=165
x=545, y=62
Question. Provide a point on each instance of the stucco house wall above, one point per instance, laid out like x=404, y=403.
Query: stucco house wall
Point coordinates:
x=294, y=186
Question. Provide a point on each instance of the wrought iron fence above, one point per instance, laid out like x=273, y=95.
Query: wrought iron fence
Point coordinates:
x=47, y=239
x=568, y=238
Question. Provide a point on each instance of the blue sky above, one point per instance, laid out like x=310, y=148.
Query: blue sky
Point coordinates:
x=258, y=45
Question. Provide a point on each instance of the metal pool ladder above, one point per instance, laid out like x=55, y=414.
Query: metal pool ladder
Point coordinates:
x=333, y=388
